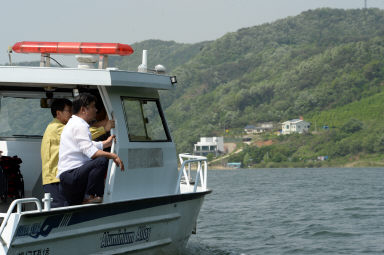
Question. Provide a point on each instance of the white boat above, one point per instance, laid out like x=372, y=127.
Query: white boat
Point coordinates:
x=150, y=208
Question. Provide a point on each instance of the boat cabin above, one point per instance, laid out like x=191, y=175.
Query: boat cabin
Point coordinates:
x=143, y=142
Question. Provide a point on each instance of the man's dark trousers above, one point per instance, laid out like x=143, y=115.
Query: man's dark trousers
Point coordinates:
x=85, y=180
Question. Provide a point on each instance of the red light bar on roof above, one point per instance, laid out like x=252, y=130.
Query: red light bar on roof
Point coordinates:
x=73, y=48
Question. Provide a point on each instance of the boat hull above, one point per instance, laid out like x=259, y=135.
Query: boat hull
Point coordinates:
x=159, y=225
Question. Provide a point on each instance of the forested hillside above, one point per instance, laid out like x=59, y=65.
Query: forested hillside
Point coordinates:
x=326, y=65
x=298, y=66
x=353, y=137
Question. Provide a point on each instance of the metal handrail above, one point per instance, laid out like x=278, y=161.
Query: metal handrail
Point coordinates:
x=201, y=174
x=111, y=164
x=18, y=203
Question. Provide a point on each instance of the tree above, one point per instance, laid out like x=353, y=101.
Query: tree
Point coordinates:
x=246, y=160
x=352, y=126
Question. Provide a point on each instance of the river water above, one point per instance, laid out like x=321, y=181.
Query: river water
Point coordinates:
x=292, y=211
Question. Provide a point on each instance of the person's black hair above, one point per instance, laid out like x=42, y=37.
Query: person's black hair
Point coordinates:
x=82, y=100
x=59, y=104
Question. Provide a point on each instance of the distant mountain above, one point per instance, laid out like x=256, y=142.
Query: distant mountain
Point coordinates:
x=325, y=64
x=315, y=61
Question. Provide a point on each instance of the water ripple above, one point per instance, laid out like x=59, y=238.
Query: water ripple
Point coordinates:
x=292, y=211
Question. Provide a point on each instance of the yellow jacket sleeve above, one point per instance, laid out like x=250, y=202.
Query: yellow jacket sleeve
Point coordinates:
x=96, y=132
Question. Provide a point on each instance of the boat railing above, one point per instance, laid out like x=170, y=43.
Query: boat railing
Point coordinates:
x=110, y=180
x=18, y=204
x=186, y=161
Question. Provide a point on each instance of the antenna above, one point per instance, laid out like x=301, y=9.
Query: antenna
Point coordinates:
x=9, y=56
x=143, y=67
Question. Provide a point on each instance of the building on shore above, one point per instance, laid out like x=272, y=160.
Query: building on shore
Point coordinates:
x=261, y=128
x=207, y=145
x=295, y=126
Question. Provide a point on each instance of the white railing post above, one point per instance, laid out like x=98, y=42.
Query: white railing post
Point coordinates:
x=205, y=175
x=201, y=173
x=189, y=171
x=18, y=204
x=177, y=190
x=47, y=201
x=110, y=180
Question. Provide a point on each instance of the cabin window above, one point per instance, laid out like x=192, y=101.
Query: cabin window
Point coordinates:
x=21, y=117
x=145, y=120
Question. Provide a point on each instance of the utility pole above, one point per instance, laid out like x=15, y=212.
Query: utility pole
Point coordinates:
x=365, y=4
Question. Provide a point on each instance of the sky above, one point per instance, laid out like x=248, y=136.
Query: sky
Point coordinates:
x=128, y=21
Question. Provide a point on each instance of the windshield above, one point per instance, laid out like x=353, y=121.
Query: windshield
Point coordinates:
x=144, y=120
x=22, y=117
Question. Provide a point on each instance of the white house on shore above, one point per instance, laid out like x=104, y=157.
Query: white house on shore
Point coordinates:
x=206, y=145
x=263, y=127
x=295, y=126
x=251, y=129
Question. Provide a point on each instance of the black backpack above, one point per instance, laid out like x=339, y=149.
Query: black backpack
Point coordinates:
x=11, y=179
x=3, y=185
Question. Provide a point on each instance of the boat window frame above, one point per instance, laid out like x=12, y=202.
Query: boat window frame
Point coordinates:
x=161, y=114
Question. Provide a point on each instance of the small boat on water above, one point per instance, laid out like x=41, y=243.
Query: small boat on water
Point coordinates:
x=150, y=208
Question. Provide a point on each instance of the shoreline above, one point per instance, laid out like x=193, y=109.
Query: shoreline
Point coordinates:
x=355, y=164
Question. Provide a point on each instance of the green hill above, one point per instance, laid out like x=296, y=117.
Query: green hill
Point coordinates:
x=296, y=66
x=326, y=65
x=366, y=110
x=354, y=135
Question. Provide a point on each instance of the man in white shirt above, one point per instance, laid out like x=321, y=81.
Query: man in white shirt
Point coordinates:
x=82, y=162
